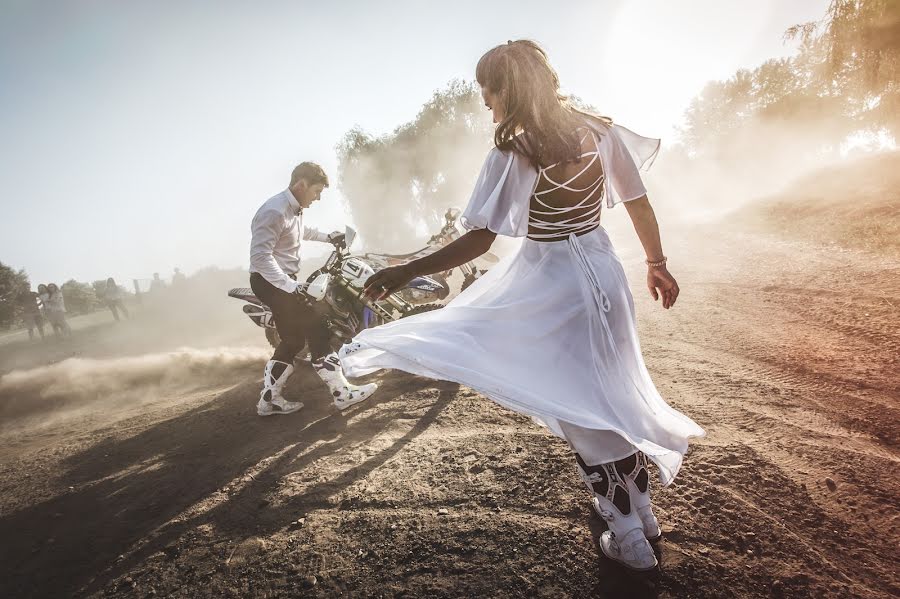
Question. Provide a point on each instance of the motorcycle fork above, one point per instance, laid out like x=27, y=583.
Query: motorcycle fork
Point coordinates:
x=469, y=269
x=378, y=309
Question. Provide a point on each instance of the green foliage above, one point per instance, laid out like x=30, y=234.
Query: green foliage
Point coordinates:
x=13, y=283
x=844, y=79
x=80, y=298
x=99, y=288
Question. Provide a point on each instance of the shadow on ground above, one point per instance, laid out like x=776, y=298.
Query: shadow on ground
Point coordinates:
x=124, y=494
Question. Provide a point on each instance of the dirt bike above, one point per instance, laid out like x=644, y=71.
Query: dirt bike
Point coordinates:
x=448, y=234
x=335, y=291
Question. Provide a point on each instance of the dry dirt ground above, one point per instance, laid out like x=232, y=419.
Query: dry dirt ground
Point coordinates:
x=785, y=351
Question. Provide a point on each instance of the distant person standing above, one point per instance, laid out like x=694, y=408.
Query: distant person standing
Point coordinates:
x=277, y=230
x=31, y=312
x=55, y=307
x=157, y=284
x=112, y=295
x=178, y=279
x=43, y=298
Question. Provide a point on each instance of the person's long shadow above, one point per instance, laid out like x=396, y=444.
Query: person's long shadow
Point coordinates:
x=123, y=492
x=247, y=513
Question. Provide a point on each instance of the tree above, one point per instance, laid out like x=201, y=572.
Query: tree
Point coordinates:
x=845, y=78
x=80, y=297
x=762, y=126
x=13, y=283
x=99, y=287
x=399, y=185
x=855, y=53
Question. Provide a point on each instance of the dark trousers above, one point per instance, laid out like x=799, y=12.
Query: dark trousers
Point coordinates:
x=296, y=321
x=33, y=321
x=115, y=306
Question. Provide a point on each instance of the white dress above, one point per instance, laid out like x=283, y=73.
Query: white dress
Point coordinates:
x=550, y=330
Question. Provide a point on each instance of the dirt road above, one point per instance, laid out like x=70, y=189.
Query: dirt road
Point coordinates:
x=786, y=353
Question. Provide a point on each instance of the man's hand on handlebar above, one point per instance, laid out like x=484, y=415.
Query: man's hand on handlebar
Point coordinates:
x=337, y=238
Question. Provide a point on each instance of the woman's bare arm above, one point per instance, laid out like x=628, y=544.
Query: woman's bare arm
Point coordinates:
x=659, y=280
x=466, y=248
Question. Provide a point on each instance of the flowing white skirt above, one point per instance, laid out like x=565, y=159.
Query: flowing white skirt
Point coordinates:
x=549, y=332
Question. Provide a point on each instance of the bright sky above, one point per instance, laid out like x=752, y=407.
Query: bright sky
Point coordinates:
x=140, y=136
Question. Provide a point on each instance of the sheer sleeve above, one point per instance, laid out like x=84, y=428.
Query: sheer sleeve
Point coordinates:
x=625, y=154
x=500, y=199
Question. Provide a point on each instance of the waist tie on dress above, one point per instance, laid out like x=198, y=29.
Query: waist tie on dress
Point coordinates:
x=602, y=306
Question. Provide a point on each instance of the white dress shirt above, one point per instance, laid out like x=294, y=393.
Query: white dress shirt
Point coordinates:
x=275, y=245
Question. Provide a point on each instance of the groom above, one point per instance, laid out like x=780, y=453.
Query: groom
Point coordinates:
x=274, y=263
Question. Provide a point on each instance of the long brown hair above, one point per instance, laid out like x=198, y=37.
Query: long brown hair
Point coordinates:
x=535, y=108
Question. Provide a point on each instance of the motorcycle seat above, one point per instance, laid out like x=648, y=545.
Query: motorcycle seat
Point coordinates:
x=408, y=256
x=488, y=257
x=246, y=294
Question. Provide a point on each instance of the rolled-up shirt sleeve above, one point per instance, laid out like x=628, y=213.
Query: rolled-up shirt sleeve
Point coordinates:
x=313, y=234
x=265, y=229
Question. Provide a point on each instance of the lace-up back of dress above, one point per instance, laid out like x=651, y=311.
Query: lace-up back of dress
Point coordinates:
x=568, y=196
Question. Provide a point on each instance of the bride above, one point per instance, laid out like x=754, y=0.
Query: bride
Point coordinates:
x=550, y=331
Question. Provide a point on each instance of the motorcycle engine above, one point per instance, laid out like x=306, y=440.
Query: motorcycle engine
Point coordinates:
x=340, y=301
x=416, y=296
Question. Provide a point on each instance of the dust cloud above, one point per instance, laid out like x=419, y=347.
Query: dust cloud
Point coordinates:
x=398, y=186
x=180, y=340
x=123, y=381
x=761, y=159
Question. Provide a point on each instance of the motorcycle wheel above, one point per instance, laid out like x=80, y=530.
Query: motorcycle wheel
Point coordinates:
x=422, y=309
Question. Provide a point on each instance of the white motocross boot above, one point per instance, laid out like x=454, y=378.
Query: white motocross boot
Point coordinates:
x=624, y=542
x=634, y=469
x=344, y=392
x=270, y=400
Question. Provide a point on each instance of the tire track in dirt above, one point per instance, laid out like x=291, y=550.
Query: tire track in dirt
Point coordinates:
x=745, y=373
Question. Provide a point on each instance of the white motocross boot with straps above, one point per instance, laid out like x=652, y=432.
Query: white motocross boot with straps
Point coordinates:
x=344, y=392
x=636, y=472
x=270, y=400
x=624, y=542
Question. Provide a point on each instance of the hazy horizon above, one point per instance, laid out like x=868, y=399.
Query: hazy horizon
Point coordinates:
x=142, y=138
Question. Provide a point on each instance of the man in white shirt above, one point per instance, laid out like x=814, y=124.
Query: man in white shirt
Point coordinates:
x=274, y=264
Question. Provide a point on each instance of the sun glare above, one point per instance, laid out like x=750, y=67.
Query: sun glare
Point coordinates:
x=661, y=62
x=865, y=142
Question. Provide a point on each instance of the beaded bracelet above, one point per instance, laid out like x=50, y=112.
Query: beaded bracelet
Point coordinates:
x=657, y=263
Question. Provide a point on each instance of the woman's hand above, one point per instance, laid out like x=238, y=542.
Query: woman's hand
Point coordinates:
x=466, y=248
x=662, y=283
x=387, y=281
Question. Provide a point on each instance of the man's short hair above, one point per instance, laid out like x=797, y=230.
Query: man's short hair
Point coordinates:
x=310, y=172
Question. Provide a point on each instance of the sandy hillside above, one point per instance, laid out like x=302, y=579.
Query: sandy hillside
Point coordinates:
x=854, y=205
x=140, y=472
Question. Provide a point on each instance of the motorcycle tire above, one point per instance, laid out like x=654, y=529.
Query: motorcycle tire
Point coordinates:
x=423, y=309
